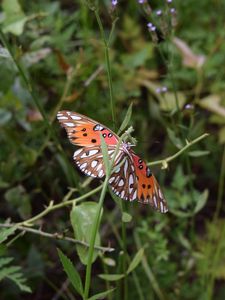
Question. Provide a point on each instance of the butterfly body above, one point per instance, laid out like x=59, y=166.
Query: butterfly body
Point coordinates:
x=130, y=178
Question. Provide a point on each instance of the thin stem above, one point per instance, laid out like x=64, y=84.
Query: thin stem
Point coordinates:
x=97, y=221
x=220, y=188
x=164, y=162
x=93, y=237
x=124, y=264
x=52, y=207
x=56, y=236
x=108, y=66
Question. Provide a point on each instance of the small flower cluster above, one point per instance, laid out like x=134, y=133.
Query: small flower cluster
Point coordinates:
x=161, y=90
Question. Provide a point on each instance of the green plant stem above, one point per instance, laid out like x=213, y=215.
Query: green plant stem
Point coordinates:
x=220, y=188
x=51, y=207
x=108, y=66
x=164, y=162
x=217, y=252
x=93, y=237
x=56, y=236
x=124, y=264
x=97, y=221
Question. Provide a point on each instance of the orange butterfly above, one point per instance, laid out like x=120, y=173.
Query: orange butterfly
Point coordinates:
x=131, y=178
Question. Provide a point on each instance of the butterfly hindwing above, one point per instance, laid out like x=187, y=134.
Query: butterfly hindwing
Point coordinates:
x=83, y=131
x=148, y=188
x=123, y=180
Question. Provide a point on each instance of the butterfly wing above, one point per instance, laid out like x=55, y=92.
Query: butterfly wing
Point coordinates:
x=90, y=160
x=148, y=188
x=83, y=131
x=123, y=179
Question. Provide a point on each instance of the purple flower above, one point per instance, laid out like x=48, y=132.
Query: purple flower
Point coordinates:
x=169, y=1
x=164, y=89
x=151, y=27
x=161, y=90
x=114, y=3
x=141, y=1
x=172, y=10
x=159, y=12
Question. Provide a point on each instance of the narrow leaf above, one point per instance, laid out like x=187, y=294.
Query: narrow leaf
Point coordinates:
x=6, y=232
x=136, y=260
x=101, y=295
x=198, y=153
x=201, y=201
x=111, y=277
x=126, y=119
x=105, y=155
x=71, y=272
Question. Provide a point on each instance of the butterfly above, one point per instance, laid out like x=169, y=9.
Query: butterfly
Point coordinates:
x=130, y=179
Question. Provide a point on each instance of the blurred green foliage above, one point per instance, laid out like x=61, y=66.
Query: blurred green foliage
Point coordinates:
x=59, y=48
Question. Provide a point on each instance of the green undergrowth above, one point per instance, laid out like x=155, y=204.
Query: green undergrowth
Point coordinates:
x=66, y=236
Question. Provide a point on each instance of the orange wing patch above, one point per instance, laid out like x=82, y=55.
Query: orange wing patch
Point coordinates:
x=83, y=131
x=148, y=188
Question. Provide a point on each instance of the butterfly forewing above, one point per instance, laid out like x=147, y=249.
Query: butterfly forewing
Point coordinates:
x=83, y=131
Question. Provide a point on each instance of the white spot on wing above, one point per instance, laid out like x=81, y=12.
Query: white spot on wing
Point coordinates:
x=160, y=194
x=125, y=167
x=161, y=207
x=111, y=179
x=92, y=152
x=122, y=194
x=134, y=195
x=131, y=179
x=155, y=201
x=62, y=117
x=100, y=174
x=83, y=166
x=75, y=117
x=99, y=167
x=69, y=124
x=77, y=152
x=94, y=163
x=121, y=182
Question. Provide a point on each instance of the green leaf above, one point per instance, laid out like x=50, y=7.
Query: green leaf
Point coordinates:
x=4, y=233
x=126, y=119
x=136, y=260
x=168, y=101
x=15, y=18
x=126, y=218
x=174, y=139
x=13, y=273
x=201, y=201
x=105, y=154
x=19, y=200
x=82, y=218
x=111, y=277
x=198, y=153
x=71, y=272
x=101, y=295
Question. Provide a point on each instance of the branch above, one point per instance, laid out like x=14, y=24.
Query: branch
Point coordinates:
x=57, y=236
x=164, y=162
x=52, y=207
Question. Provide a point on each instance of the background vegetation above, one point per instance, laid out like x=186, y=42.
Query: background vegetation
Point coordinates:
x=165, y=57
